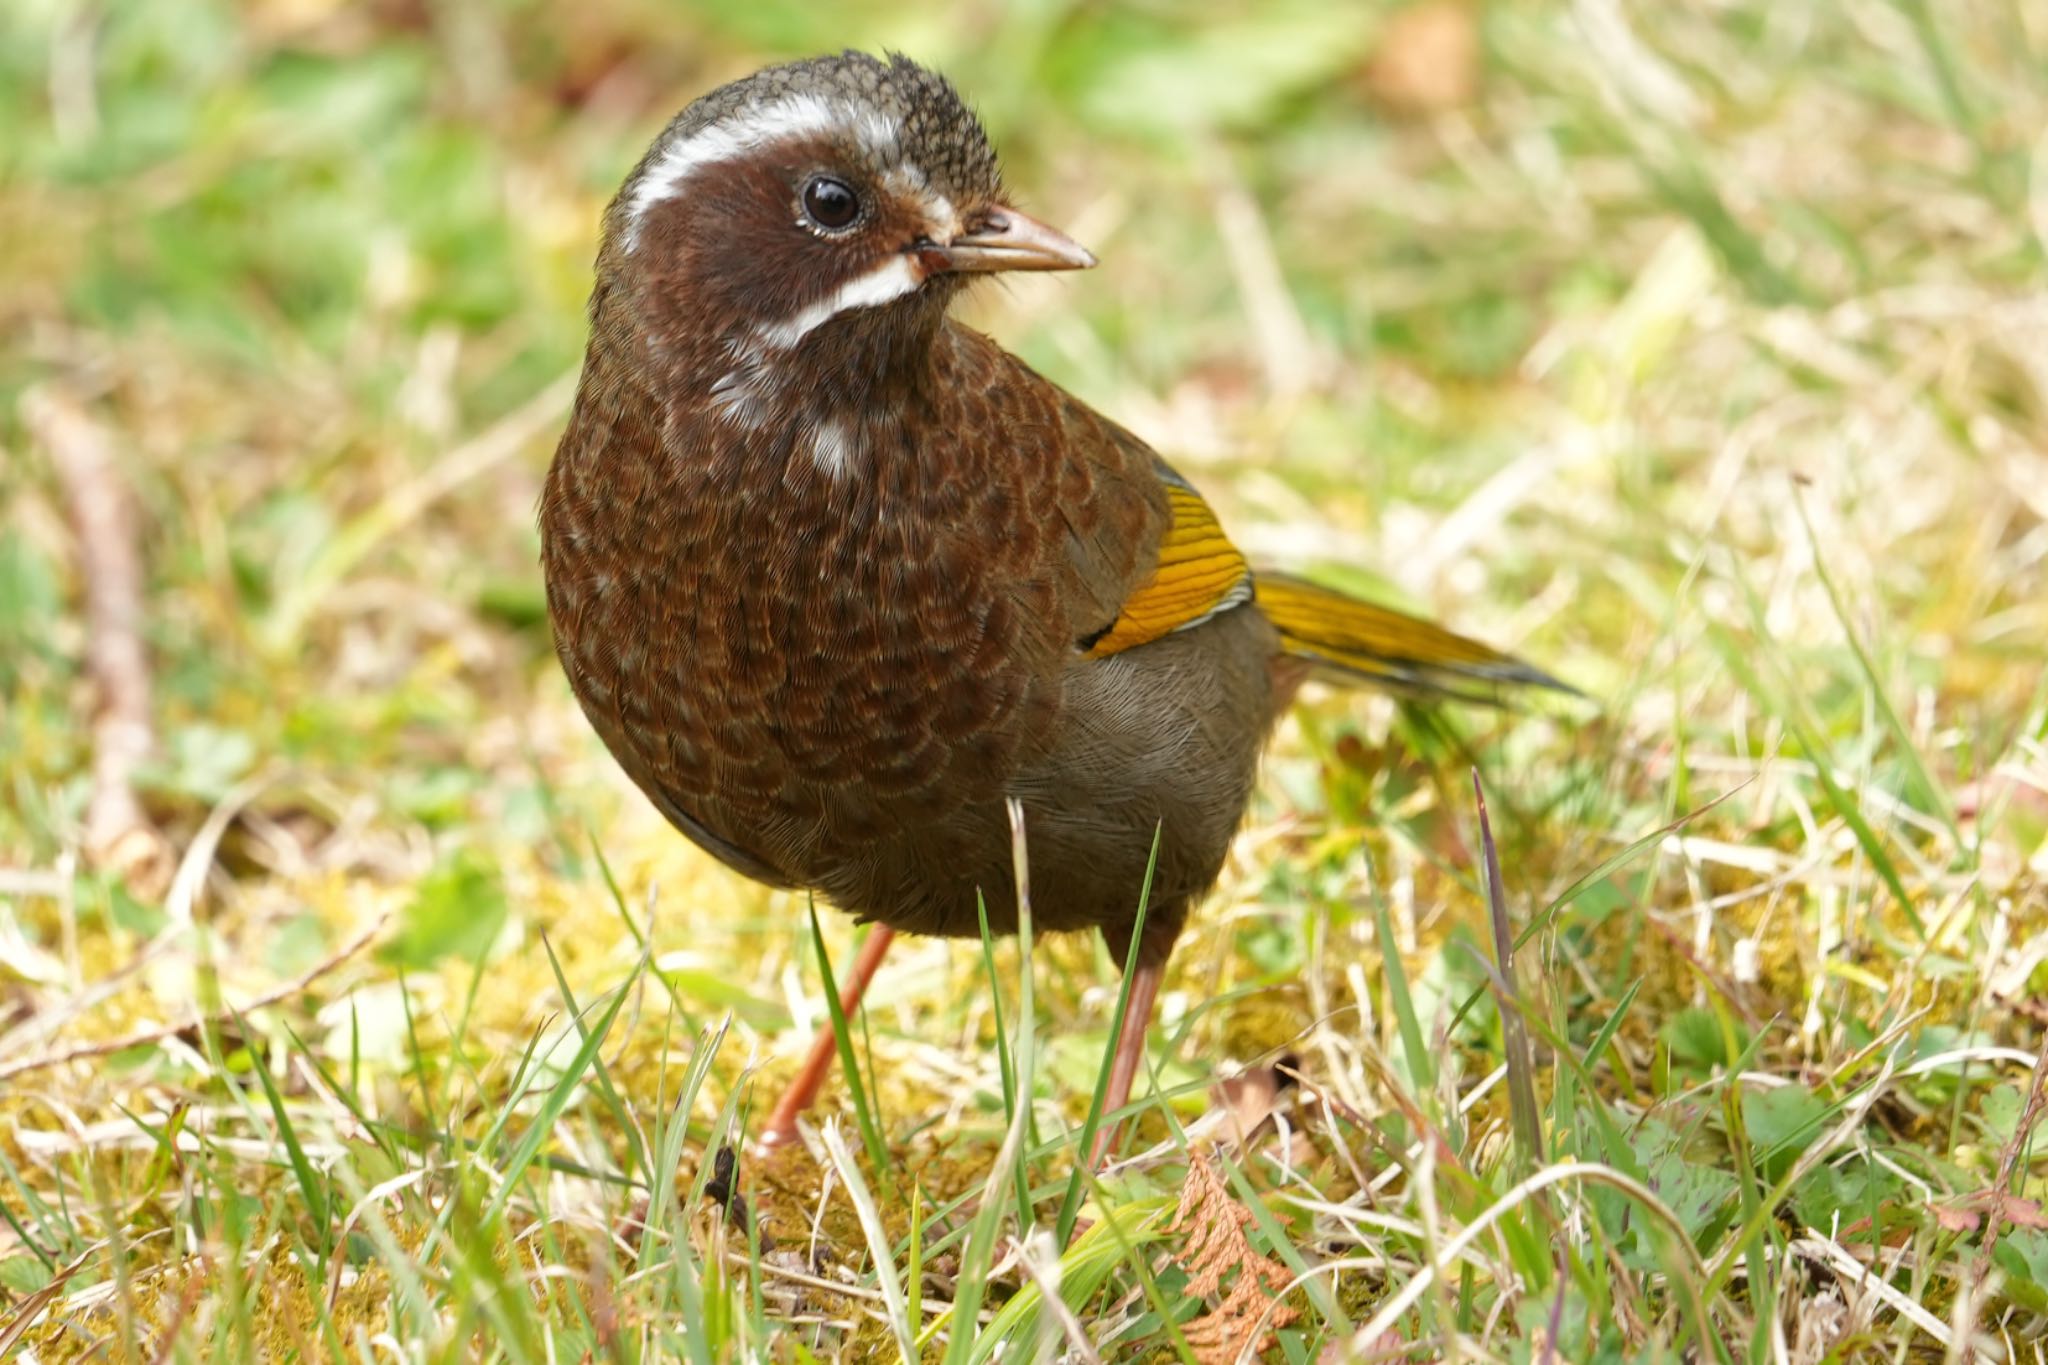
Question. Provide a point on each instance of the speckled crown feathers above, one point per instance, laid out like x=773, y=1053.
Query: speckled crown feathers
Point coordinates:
x=938, y=132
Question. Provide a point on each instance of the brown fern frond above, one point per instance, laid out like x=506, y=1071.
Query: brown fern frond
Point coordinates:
x=1218, y=1247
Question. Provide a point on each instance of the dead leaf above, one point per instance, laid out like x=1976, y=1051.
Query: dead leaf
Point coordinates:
x=1967, y=1213
x=2007, y=1208
x=1219, y=1248
x=1952, y=1219
x=1248, y=1099
x=2022, y=1213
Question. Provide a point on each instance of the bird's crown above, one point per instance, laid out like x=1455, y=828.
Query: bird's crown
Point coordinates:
x=900, y=117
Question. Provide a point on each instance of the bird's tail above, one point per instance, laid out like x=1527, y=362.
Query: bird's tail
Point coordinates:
x=1350, y=640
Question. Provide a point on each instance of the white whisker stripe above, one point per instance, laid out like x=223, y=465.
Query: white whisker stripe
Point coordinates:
x=792, y=117
x=889, y=281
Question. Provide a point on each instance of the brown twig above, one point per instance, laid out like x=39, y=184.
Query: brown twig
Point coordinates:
x=2008, y=1162
x=108, y=1046
x=118, y=834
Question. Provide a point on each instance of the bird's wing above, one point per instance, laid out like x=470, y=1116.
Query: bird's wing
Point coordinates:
x=1198, y=573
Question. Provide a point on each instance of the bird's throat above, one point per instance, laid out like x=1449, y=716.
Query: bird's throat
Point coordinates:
x=836, y=403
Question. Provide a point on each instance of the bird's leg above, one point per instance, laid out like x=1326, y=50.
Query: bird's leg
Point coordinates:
x=1130, y=1050
x=1162, y=927
x=803, y=1090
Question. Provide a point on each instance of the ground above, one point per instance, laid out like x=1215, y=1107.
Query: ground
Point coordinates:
x=352, y=1004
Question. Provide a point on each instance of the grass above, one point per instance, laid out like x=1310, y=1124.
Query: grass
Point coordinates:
x=1694, y=351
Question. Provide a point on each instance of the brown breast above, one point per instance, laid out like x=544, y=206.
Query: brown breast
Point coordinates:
x=794, y=659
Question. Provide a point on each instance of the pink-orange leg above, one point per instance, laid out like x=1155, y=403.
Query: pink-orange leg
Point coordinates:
x=1130, y=1050
x=803, y=1090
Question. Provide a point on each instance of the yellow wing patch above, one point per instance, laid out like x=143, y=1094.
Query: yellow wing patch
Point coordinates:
x=1199, y=573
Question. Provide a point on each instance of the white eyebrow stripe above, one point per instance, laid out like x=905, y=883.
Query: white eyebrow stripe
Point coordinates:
x=908, y=179
x=889, y=281
x=793, y=116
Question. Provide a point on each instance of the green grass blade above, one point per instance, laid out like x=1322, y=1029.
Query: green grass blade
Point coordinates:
x=1922, y=781
x=1077, y=1184
x=995, y=997
x=1527, y=1122
x=551, y=1108
x=849, y=1065
x=1421, y=1065
x=310, y=1184
x=621, y=1112
x=1084, y=1268
x=979, y=1255
x=870, y=1216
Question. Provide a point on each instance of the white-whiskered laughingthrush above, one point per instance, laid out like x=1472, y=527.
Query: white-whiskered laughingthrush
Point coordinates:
x=833, y=576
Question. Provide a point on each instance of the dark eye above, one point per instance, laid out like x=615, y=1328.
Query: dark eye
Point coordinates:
x=831, y=203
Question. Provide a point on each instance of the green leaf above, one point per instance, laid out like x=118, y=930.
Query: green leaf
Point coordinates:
x=1782, y=1122
x=456, y=910
x=297, y=944
x=1070, y=1206
x=1696, y=1040
x=557, y=1099
x=23, y=1274
x=516, y=602
x=438, y=797
x=1849, y=1193
x=1701, y=1196
x=2023, y=1255
x=131, y=914
x=1226, y=74
x=1999, y=1113
x=203, y=761
x=849, y=1064
x=29, y=602
x=722, y=993
x=1085, y=1267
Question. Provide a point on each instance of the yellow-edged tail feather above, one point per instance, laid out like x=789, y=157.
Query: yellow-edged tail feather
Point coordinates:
x=1363, y=641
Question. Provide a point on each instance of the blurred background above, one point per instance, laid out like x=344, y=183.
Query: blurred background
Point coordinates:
x=1539, y=317
x=1697, y=351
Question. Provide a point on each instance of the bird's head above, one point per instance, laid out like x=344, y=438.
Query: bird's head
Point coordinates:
x=828, y=208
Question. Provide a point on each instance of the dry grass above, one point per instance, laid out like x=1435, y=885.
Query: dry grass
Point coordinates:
x=1698, y=351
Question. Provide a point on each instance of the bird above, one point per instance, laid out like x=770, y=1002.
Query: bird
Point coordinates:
x=836, y=578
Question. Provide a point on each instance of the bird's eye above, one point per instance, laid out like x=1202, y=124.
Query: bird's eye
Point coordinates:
x=831, y=203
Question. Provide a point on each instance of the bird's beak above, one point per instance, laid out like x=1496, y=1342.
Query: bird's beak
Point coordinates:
x=1009, y=240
